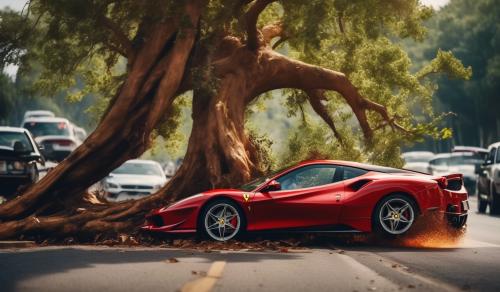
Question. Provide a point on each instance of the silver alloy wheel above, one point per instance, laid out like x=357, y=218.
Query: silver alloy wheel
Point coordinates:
x=222, y=222
x=396, y=216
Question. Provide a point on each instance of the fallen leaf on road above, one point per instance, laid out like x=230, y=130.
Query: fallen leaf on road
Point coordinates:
x=173, y=260
x=411, y=286
x=341, y=251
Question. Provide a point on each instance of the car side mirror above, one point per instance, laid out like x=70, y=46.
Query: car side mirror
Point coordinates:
x=272, y=186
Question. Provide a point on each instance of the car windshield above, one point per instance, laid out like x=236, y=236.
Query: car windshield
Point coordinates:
x=8, y=139
x=252, y=185
x=138, y=168
x=465, y=160
x=47, y=128
x=412, y=159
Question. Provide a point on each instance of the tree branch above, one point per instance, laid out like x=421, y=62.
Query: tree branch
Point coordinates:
x=271, y=31
x=119, y=38
x=251, y=18
x=315, y=96
x=288, y=73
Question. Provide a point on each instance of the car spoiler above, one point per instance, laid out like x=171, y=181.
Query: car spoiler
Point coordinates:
x=444, y=181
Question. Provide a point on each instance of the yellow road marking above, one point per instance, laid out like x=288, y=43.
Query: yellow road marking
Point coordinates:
x=206, y=283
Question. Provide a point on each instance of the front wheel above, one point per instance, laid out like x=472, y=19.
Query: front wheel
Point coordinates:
x=394, y=215
x=222, y=220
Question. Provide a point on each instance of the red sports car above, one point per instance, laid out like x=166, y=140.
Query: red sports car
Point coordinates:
x=318, y=196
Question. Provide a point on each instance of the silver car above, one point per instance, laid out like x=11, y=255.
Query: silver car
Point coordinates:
x=134, y=179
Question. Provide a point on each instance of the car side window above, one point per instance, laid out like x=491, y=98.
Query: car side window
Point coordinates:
x=352, y=172
x=308, y=176
x=498, y=156
x=491, y=156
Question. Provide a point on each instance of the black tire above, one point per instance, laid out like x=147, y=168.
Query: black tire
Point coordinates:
x=202, y=218
x=382, y=231
x=481, y=204
x=495, y=202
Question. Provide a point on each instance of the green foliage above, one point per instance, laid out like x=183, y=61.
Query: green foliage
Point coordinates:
x=470, y=31
x=74, y=49
x=362, y=39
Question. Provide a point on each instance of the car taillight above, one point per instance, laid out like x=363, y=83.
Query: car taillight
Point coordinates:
x=63, y=142
x=442, y=182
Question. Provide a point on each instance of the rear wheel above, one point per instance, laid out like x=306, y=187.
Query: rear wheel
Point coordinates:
x=481, y=204
x=394, y=215
x=222, y=220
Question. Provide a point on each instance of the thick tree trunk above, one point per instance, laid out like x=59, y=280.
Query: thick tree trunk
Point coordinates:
x=149, y=90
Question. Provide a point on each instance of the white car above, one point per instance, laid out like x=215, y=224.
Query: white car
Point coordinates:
x=57, y=136
x=134, y=179
x=38, y=114
x=457, y=162
x=417, y=160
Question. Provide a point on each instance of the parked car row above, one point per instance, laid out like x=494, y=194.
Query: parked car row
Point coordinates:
x=462, y=159
x=57, y=136
x=26, y=152
x=480, y=168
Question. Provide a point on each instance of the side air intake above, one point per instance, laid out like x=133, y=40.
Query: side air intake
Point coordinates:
x=356, y=186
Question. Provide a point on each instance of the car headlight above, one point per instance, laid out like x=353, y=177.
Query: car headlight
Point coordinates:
x=16, y=166
x=112, y=185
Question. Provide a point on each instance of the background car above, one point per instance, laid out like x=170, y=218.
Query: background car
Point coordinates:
x=19, y=156
x=38, y=114
x=319, y=196
x=478, y=151
x=56, y=135
x=488, y=186
x=134, y=179
x=417, y=160
x=464, y=163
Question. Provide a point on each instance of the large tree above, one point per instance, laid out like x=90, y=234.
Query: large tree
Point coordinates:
x=145, y=54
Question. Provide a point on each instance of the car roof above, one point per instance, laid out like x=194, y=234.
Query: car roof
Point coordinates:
x=468, y=149
x=13, y=129
x=496, y=144
x=39, y=112
x=417, y=153
x=46, y=119
x=144, y=161
x=365, y=166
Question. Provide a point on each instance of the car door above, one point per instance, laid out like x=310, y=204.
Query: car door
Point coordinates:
x=309, y=196
x=485, y=176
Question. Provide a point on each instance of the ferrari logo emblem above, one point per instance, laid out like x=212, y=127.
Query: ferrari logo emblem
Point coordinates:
x=246, y=197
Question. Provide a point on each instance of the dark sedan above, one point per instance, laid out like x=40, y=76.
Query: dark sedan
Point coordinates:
x=19, y=155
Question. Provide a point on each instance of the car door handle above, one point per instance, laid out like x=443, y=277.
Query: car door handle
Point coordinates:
x=338, y=197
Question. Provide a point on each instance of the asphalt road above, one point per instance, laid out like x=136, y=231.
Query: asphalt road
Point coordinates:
x=472, y=264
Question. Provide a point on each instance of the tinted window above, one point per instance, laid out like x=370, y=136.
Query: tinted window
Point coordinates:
x=138, y=169
x=491, y=156
x=351, y=172
x=308, y=176
x=498, y=156
x=9, y=138
x=440, y=161
x=47, y=128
